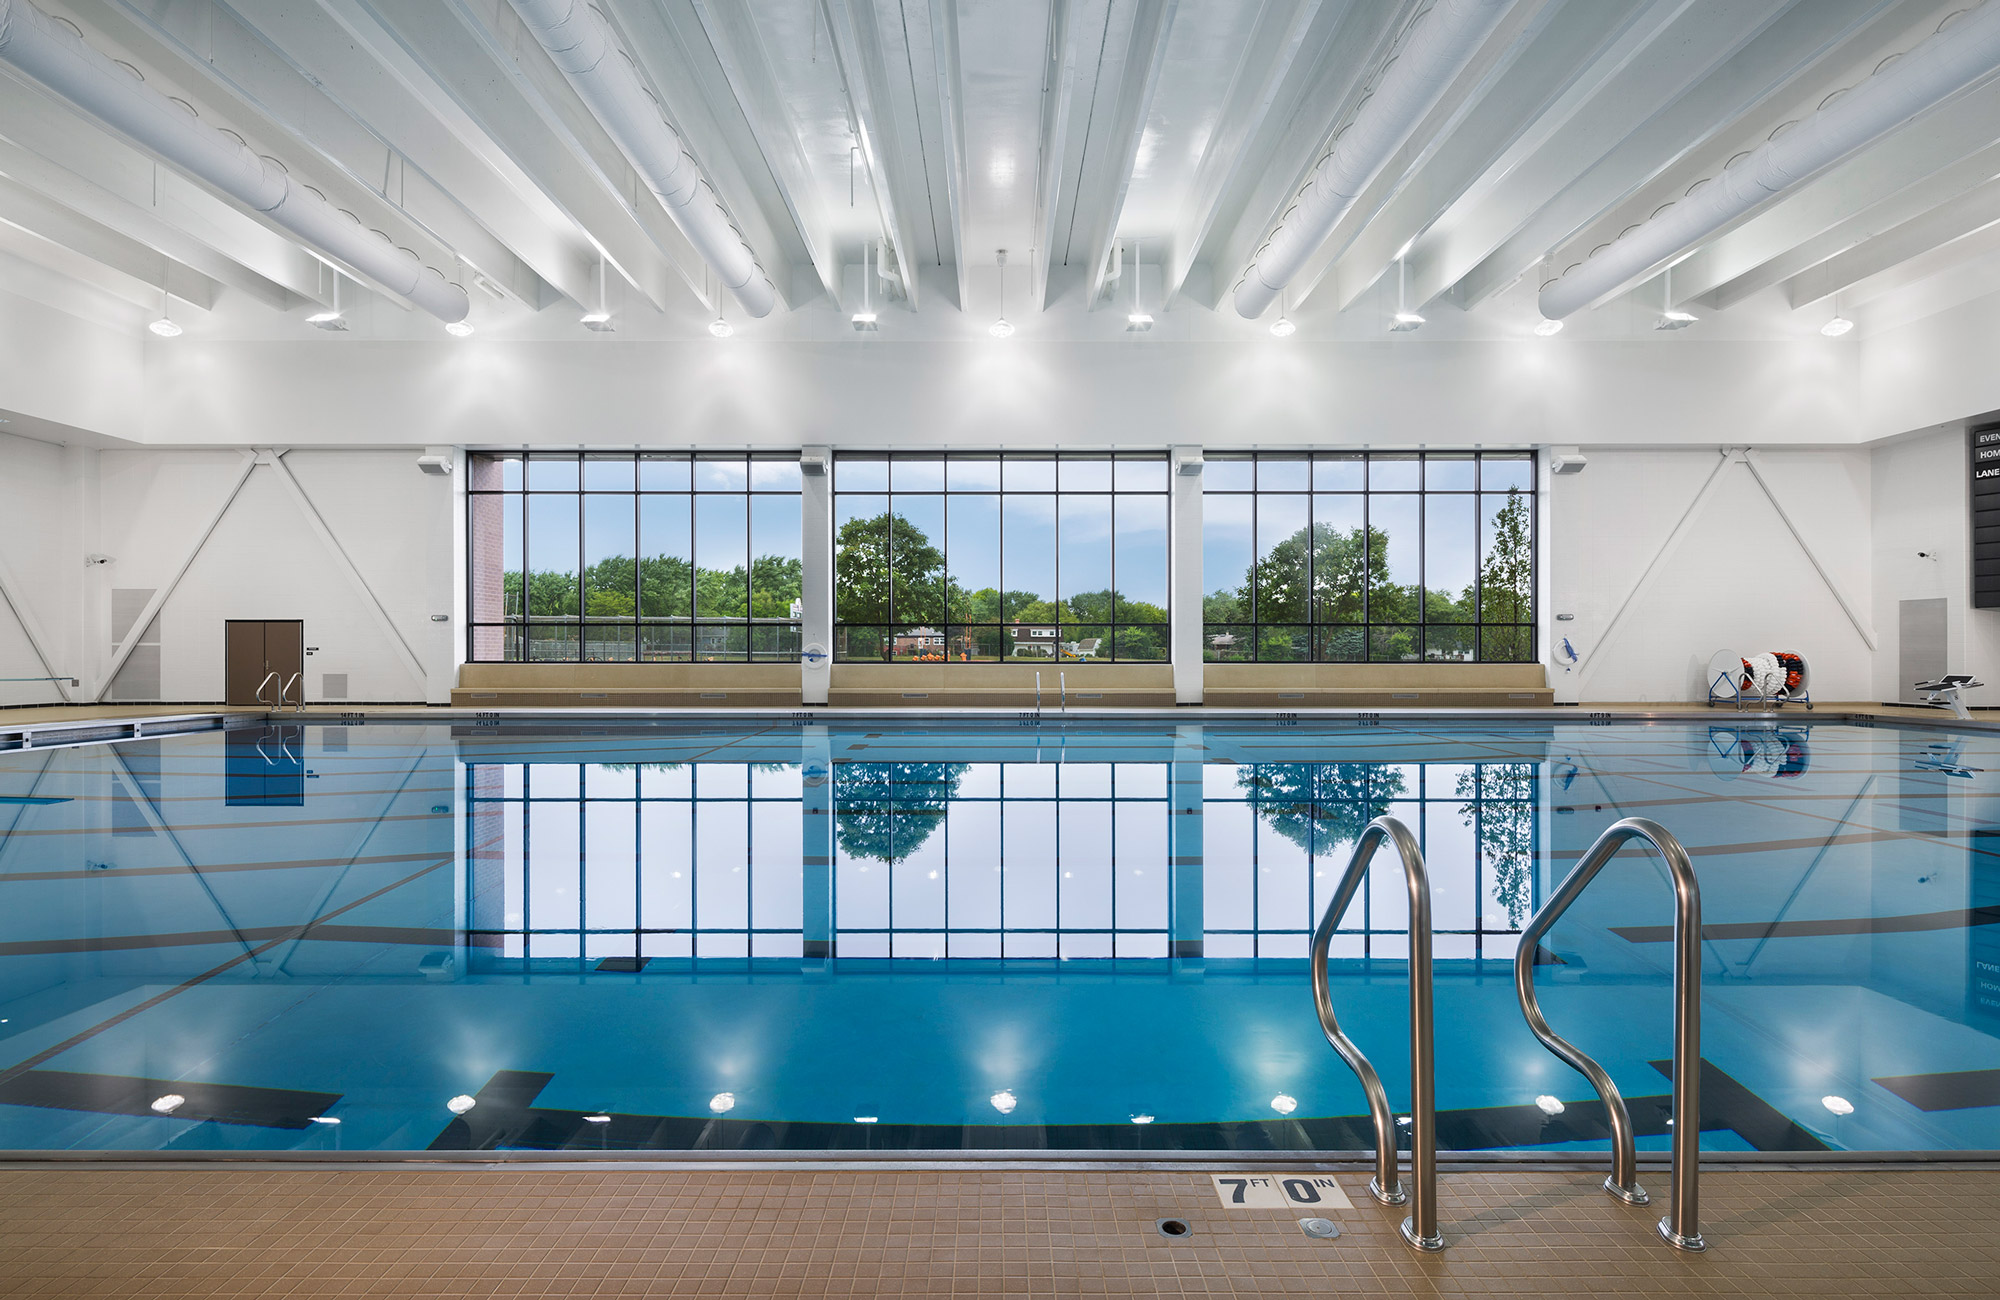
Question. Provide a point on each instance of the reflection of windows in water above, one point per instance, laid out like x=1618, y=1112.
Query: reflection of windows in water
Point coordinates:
x=578, y=863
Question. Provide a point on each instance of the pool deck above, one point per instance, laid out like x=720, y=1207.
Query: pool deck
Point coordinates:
x=959, y=1232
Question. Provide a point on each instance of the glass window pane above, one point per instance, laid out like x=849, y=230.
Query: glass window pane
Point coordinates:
x=663, y=473
x=1140, y=474
x=1284, y=558
x=916, y=474
x=1084, y=567
x=1084, y=474
x=972, y=549
x=1443, y=641
x=1227, y=554
x=1339, y=471
x=1283, y=473
x=1340, y=558
x=1028, y=473
x=721, y=641
x=1392, y=645
x=552, y=553
x=861, y=558
x=610, y=578
x=1141, y=559
x=1506, y=559
x=774, y=474
x=718, y=473
x=1497, y=473
x=1448, y=472
x=1228, y=474
x=917, y=560
x=861, y=473
x=609, y=643
x=1028, y=559
x=550, y=471
x=1393, y=472
x=605, y=472
x=666, y=573
x=496, y=557
x=666, y=642
x=1448, y=558
x=972, y=474
x=777, y=575
x=1393, y=589
x=721, y=539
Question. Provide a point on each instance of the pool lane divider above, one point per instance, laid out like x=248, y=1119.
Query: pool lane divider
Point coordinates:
x=504, y=1117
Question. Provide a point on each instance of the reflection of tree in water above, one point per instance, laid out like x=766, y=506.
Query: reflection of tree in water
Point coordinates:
x=1504, y=820
x=886, y=811
x=1333, y=802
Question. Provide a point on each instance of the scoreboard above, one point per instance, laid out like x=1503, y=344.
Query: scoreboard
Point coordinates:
x=1983, y=447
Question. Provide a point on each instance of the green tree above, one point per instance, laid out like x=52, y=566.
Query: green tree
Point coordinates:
x=1504, y=822
x=1507, y=583
x=885, y=811
x=1318, y=805
x=886, y=571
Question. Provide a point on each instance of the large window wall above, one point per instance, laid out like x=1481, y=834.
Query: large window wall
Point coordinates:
x=1351, y=557
x=623, y=557
x=1017, y=558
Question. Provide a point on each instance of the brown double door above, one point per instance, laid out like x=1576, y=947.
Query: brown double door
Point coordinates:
x=253, y=650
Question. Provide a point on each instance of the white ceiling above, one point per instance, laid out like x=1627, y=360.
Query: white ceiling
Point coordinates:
x=946, y=130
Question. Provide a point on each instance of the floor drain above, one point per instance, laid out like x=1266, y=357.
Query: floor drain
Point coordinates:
x=1173, y=1227
x=1319, y=1227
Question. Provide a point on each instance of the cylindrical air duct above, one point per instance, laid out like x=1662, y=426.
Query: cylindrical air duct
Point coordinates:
x=1437, y=49
x=585, y=49
x=1935, y=70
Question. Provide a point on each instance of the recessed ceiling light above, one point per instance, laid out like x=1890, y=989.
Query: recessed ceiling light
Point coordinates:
x=459, y=329
x=460, y=1104
x=1836, y=327
x=1549, y=328
x=1284, y=1103
x=721, y=328
x=1282, y=328
x=168, y=1104
x=722, y=1102
x=1003, y=1101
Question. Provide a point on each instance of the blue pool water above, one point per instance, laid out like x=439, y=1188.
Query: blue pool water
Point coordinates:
x=925, y=934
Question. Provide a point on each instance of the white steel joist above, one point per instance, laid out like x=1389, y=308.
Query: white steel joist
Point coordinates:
x=900, y=188
x=1131, y=45
x=38, y=215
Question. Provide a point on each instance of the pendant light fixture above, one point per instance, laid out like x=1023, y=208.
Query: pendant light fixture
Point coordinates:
x=1282, y=328
x=165, y=327
x=1839, y=325
x=1405, y=319
x=1002, y=328
x=1670, y=317
x=864, y=320
x=1548, y=328
x=330, y=319
x=598, y=318
x=1137, y=321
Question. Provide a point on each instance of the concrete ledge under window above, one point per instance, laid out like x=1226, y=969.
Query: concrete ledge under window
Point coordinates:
x=1002, y=685
x=630, y=686
x=1368, y=686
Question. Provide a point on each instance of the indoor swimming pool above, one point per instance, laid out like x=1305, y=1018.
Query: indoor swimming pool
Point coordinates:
x=909, y=933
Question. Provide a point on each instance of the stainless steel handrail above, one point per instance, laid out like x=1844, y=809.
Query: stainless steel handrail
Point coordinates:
x=1420, y=1229
x=298, y=705
x=259, y=692
x=1682, y=1225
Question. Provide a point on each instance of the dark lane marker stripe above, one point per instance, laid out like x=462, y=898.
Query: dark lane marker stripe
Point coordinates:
x=210, y=868
x=15, y=1071
x=121, y=1094
x=196, y=938
x=1956, y=1090
x=1817, y=842
x=1958, y=919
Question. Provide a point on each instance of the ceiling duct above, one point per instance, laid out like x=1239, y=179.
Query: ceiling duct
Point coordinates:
x=54, y=54
x=1437, y=49
x=1900, y=90
x=603, y=76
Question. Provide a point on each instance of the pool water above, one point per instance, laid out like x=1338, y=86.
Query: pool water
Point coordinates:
x=928, y=933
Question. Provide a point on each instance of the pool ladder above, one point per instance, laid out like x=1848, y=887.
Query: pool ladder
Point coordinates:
x=1681, y=1226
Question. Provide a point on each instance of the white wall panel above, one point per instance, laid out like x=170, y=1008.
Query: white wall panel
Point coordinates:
x=38, y=567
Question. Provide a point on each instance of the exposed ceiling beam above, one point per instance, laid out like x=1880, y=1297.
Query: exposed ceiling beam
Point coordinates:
x=42, y=217
x=740, y=53
x=1969, y=214
x=1707, y=70
x=1554, y=47
x=1909, y=201
x=1278, y=40
x=1963, y=129
x=951, y=102
x=858, y=51
x=1128, y=72
x=1959, y=259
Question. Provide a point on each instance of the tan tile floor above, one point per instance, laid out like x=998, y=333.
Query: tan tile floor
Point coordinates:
x=1005, y=1233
